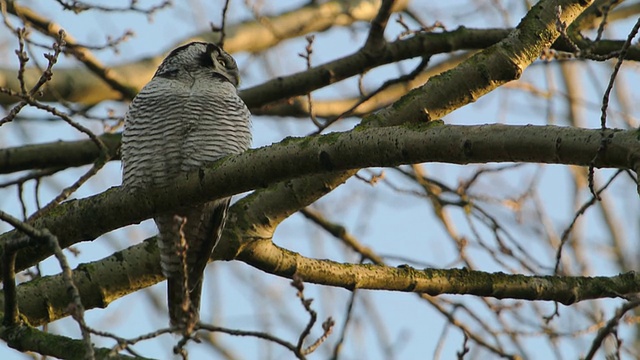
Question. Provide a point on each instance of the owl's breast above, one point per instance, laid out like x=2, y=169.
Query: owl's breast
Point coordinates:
x=176, y=127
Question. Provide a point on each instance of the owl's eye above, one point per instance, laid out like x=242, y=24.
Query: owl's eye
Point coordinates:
x=218, y=58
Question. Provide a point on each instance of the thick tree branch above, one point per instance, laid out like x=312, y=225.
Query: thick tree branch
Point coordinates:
x=355, y=149
x=375, y=39
x=26, y=338
x=485, y=71
x=299, y=106
x=567, y=290
x=264, y=255
x=99, y=283
x=57, y=154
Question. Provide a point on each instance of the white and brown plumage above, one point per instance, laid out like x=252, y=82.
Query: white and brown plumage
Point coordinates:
x=189, y=115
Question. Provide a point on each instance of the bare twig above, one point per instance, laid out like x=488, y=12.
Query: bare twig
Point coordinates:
x=327, y=329
x=465, y=348
x=580, y=212
x=408, y=31
x=297, y=283
x=39, y=235
x=404, y=78
x=222, y=27
x=611, y=327
x=80, y=6
x=347, y=320
x=28, y=98
x=34, y=175
x=307, y=56
x=21, y=34
x=9, y=250
x=341, y=233
x=605, y=104
x=327, y=326
x=603, y=23
x=257, y=334
x=83, y=55
x=375, y=40
x=75, y=307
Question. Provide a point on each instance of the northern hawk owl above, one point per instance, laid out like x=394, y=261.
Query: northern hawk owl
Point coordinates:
x=189, y=115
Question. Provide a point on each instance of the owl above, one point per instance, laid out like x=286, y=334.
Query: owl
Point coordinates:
x=188, y=116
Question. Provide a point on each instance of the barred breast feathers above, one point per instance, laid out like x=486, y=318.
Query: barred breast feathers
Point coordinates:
x=172, y=128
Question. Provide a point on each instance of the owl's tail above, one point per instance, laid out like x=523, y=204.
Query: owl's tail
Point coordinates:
x=186, y=243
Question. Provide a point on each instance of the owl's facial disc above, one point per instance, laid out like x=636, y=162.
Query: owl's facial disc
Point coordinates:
x=223, y=64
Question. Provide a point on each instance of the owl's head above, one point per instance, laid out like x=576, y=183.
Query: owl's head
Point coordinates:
x=199, y=58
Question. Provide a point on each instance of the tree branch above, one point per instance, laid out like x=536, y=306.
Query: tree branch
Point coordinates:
x=27, y=338
x=265, y=255
x=299, y=106
x=59, y=154
x=335, y=152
